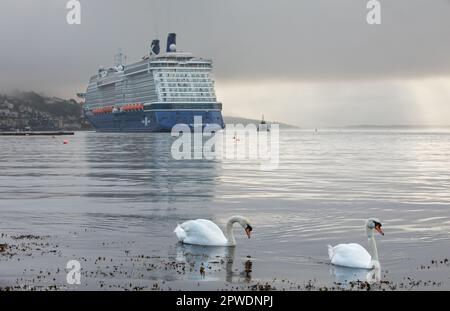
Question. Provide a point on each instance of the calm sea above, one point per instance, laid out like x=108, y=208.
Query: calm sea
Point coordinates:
x=112, y=201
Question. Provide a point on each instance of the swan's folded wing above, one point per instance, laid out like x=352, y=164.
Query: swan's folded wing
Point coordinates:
x=203, y=232
x=351, y=255
x=180, y=233
x=210, y=226
x=188, y=226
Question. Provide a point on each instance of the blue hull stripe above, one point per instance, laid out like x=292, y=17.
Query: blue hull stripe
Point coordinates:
x=150, y=121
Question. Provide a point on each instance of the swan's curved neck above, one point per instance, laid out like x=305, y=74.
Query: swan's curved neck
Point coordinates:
x=372, y=245
x=230, y=234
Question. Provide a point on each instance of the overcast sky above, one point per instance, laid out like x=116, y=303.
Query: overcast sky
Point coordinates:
x=311, y=63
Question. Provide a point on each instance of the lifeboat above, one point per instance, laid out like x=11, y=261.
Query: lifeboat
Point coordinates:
x=107, y=109
x=132, y=107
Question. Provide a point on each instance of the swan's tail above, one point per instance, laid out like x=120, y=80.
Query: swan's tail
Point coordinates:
x=180, y=233
x=330, y=252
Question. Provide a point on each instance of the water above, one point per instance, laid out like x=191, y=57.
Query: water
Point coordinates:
x=119, y=197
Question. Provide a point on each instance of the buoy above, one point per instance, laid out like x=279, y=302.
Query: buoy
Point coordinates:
x=65, y=142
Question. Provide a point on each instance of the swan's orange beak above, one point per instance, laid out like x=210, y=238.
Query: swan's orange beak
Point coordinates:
x=248, y=231
x=378, y=228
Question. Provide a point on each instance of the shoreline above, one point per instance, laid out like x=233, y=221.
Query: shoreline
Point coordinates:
x=137, y=271
x=38, y=133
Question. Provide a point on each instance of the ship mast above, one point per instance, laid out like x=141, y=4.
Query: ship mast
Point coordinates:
x=120, y=58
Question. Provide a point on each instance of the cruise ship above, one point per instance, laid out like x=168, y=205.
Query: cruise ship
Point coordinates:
x=154, y=94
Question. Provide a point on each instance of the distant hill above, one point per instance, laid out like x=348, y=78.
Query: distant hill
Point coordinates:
x=29, y=110
x=244, y=121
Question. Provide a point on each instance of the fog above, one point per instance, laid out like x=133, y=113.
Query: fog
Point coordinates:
x=310, y=63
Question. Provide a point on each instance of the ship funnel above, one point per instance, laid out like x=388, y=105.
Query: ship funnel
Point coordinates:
x=154, y=47
x=171, y=42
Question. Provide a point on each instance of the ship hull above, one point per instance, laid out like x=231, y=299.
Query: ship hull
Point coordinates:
x=150, y=121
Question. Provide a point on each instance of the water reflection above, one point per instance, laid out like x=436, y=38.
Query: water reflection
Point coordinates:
x=346, y=275
x=141, y=168
x=238, y=275
x=211, y=260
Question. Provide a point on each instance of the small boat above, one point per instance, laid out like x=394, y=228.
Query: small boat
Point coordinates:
x=263, y=126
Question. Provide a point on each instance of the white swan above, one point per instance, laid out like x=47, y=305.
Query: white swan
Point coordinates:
x=354, y=255
x=205, y=232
